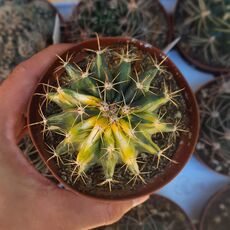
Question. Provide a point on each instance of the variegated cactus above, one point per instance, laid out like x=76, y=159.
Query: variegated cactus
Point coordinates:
x=109, y=110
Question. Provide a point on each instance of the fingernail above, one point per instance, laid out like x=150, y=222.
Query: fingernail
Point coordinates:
x=138, y=201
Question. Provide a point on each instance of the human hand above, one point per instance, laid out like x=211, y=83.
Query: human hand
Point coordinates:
x=27, y=199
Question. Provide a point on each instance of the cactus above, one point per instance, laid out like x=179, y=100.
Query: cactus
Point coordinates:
x=25, y=28
x=140, y=19
x=155, y=214
x=214, y=142
x=105, y=110
x=205, y=28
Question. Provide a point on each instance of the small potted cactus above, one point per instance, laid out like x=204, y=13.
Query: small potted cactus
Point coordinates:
x=213, y=147
x=113, y=119
x=145, y=20
x=157, y=213
x=204, y=26
x=26, y=27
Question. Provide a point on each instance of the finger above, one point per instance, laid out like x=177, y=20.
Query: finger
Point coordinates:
x=17, y=89
x=85, y=213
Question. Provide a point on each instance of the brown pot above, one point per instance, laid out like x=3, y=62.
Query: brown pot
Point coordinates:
x=214, y=206
x=182, y=154
x=202, y=87
x=166, y=15
x=197, y=64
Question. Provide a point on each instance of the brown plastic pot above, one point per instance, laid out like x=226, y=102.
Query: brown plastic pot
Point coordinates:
x=185, y=147
x=166, y=15
x=202, y=87
x=213, y=205
x=197, y=64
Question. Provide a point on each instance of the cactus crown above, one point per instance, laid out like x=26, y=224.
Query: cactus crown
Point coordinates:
x=143, y=20
x=109, y=109
x=205, y=27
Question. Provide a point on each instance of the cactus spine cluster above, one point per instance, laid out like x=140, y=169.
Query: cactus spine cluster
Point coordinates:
x=109, y=111
x=205, y=28
x=140, y=19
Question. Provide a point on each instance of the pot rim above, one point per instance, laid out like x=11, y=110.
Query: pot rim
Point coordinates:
x=197, y=64
x=187, y=146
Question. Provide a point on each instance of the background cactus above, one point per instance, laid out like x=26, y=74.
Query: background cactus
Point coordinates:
x=105, y=110
x=214, y=142
x=205, y=29
x=26, y=27
x=155, y=214
x=141, y=19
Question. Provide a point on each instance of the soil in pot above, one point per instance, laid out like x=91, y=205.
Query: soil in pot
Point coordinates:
x=204, y=28
x=26, y=27
x=128, y=147
x=157, y=213
x=213, y=147
x=144, y=20
x=216, y=213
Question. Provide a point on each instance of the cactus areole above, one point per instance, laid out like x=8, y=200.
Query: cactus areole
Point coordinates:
x=113, y=118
